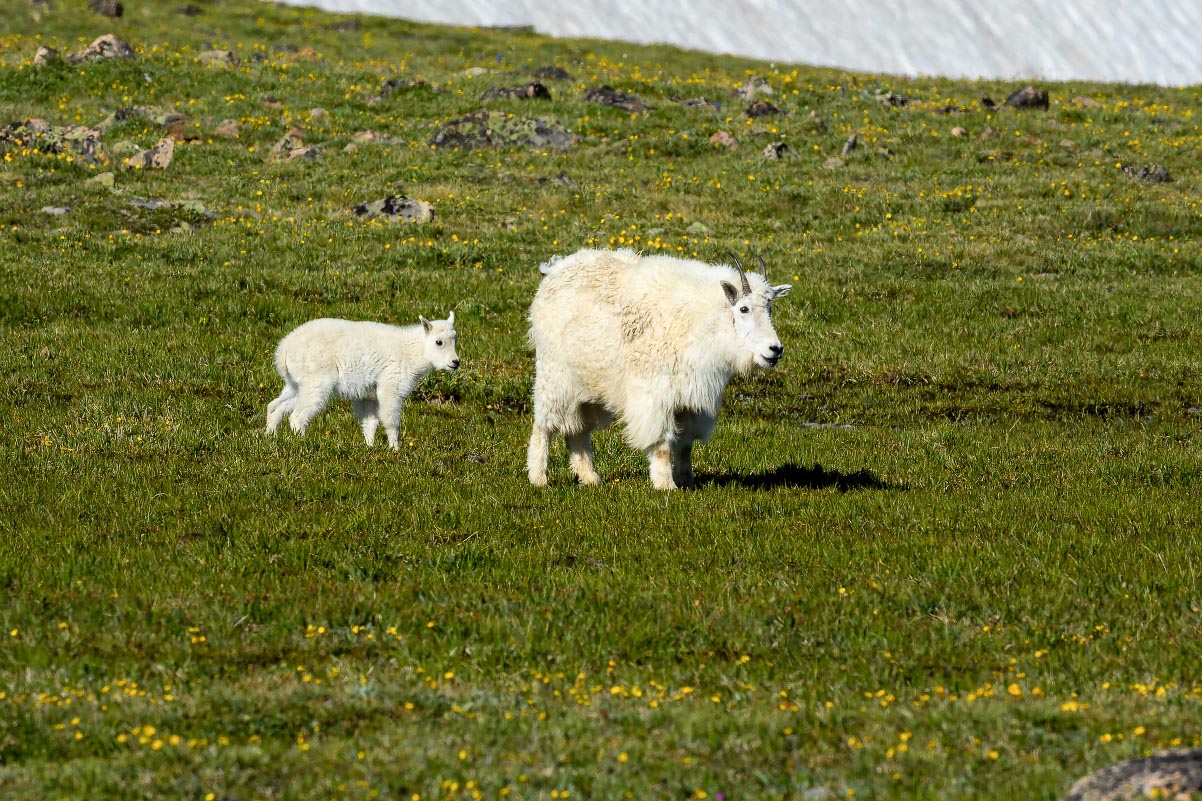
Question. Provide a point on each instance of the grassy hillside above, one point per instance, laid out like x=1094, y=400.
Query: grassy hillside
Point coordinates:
x=948, y=549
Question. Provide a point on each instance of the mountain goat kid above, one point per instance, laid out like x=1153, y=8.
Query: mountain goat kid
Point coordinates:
x=652, y=339
x=373, y=364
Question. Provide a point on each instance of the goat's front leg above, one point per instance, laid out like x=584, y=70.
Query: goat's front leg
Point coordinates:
x=660, y=458
x=388, y=396
x=690, y=426
x=682, y=464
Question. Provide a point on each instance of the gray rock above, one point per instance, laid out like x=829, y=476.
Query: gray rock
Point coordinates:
x=125, y=148
x=158, y=157
x=892, y=99
x=612, y=97
x=551, y=73
x=531, y=91
x=1164, y=774
x=396, y=208
x=1155, y=173
x=402, y=85
x=1028, y=98
x=498, y=129
x=55, y=139
x=46, y=55
x=724, y=139
x=761, y=108
x=563, y=179
x=226, y=59
x=158, y=116
x=755, y=87
x=696, y=102
x=369, y=138
x=780, y=150
x=55, y=211
x=107, y=8
x=364, y=138
x=183, y=215
x=107, y=46
x=292, y=140
x=150, y=204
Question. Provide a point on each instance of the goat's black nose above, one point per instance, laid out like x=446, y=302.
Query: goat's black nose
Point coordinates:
x=455, y=365
x=777, y=349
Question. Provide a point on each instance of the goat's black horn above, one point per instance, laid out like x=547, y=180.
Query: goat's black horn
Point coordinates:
x=742, y=274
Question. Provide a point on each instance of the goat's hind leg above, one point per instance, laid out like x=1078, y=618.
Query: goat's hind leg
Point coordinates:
x=310, y=400
x=590, y=417
x=368, y=412
x=552, y=414
x=580, y=457
x=281, y=406
x=536, y=456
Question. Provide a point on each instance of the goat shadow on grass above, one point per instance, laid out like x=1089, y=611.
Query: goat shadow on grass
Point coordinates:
x=794, y=476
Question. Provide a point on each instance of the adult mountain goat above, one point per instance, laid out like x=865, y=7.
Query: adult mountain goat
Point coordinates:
x=373, y=364
x=652, y=339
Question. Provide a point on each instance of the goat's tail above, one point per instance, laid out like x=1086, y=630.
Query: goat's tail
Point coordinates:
x=550, y=266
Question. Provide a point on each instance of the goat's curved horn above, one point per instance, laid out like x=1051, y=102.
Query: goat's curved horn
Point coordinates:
x=742, y=274
x=763, y=267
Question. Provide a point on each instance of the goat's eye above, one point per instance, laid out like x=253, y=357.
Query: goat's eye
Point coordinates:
x=438, y=342
x=744, y=309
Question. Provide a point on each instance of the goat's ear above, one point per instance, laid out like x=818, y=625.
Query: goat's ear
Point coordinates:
x=732, y=294
x=425, y=324
x=781, y=291
x=451, y=318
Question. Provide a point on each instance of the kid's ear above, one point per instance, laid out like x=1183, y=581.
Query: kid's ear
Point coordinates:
x=451, y=318
x=425, y=323
x=732, y=294
x=781, y=291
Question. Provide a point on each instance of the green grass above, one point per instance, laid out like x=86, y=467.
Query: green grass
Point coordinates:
x=949, y=549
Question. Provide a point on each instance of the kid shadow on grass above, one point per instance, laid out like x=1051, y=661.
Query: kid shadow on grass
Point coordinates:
x=793, y=476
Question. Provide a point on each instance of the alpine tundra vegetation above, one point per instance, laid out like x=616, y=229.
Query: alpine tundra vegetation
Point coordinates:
x=947, y=548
